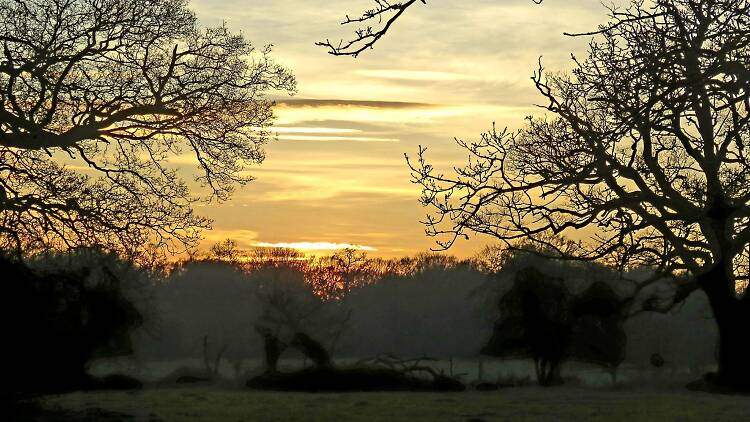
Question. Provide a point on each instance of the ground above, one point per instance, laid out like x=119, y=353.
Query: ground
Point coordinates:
x=511, y=404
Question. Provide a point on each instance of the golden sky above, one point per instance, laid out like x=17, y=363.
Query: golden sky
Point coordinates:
x=337, y=175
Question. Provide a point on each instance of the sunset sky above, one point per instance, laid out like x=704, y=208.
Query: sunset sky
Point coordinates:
x=337, y=173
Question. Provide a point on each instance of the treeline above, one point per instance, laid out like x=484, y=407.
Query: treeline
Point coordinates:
x=331, y=276
x=359, y=306
x=353, y=305
x=356, y=305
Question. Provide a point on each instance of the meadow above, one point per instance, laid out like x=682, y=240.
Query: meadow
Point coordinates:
x=641, y=394
x=531, y=403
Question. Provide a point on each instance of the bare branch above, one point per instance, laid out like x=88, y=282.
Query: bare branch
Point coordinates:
x=120, y=89
x=377, y=21
x=644, y=151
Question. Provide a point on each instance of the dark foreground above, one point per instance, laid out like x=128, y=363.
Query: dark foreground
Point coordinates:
x=516, y=404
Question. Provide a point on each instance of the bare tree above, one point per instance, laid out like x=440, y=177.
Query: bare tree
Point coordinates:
x=96, y=98
x=644, y=148
x=268, y=257
x=351, y=266
x=383, y=15
x=291, y=307
x=334, y=276
x=226, y=251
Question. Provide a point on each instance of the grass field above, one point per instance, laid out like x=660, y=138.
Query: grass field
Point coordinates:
x=512, y=404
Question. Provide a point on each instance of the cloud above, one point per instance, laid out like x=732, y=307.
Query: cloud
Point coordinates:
x=311, y=195
x=324, y=134
x=344, y=124
x=414, y=75
x=315, y=246
x=366, y=112
x=335, y=138
x=302, y=129
x=309, y=102
x=331, y=176
x=243, y=237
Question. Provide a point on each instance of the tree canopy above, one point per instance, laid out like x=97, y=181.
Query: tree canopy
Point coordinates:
x=99, y=102
x=645, y=141
x=642, y=150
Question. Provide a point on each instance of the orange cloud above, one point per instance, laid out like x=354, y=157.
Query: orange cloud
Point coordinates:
x=315, y=246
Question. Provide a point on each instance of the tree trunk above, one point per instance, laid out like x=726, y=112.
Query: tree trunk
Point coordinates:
x=732, y=315
x=206, y=362
x=734, y=349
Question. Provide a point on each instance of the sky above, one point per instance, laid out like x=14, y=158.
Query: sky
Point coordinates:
x=336, y=175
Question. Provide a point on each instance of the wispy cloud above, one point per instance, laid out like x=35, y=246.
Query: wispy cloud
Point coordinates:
x=335, y=138
x=315, y=246
x=414, y=75
x=310, y=102
x=243, y=237
x=369, y=111
x=320, y=183
x=301, y=129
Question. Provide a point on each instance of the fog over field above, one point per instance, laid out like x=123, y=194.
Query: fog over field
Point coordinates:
x=437, y=312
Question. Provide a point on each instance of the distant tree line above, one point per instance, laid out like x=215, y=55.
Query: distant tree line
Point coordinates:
x=430, y=304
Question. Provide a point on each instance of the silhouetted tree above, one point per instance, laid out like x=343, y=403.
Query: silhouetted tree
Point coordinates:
x=212, y=370
x=541, y=318
x=272, y=348
x=120, y=87
x=226, y=251
x=598, y=333
x=383, y=14
x=535, y=320
x=334, y=276
x=351, y=264
x=55, y=321
x=645, y=146
x=260, y=257
x=312, y=349
x=290, y=307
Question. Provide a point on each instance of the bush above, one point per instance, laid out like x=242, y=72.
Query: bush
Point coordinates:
x=55, y=322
